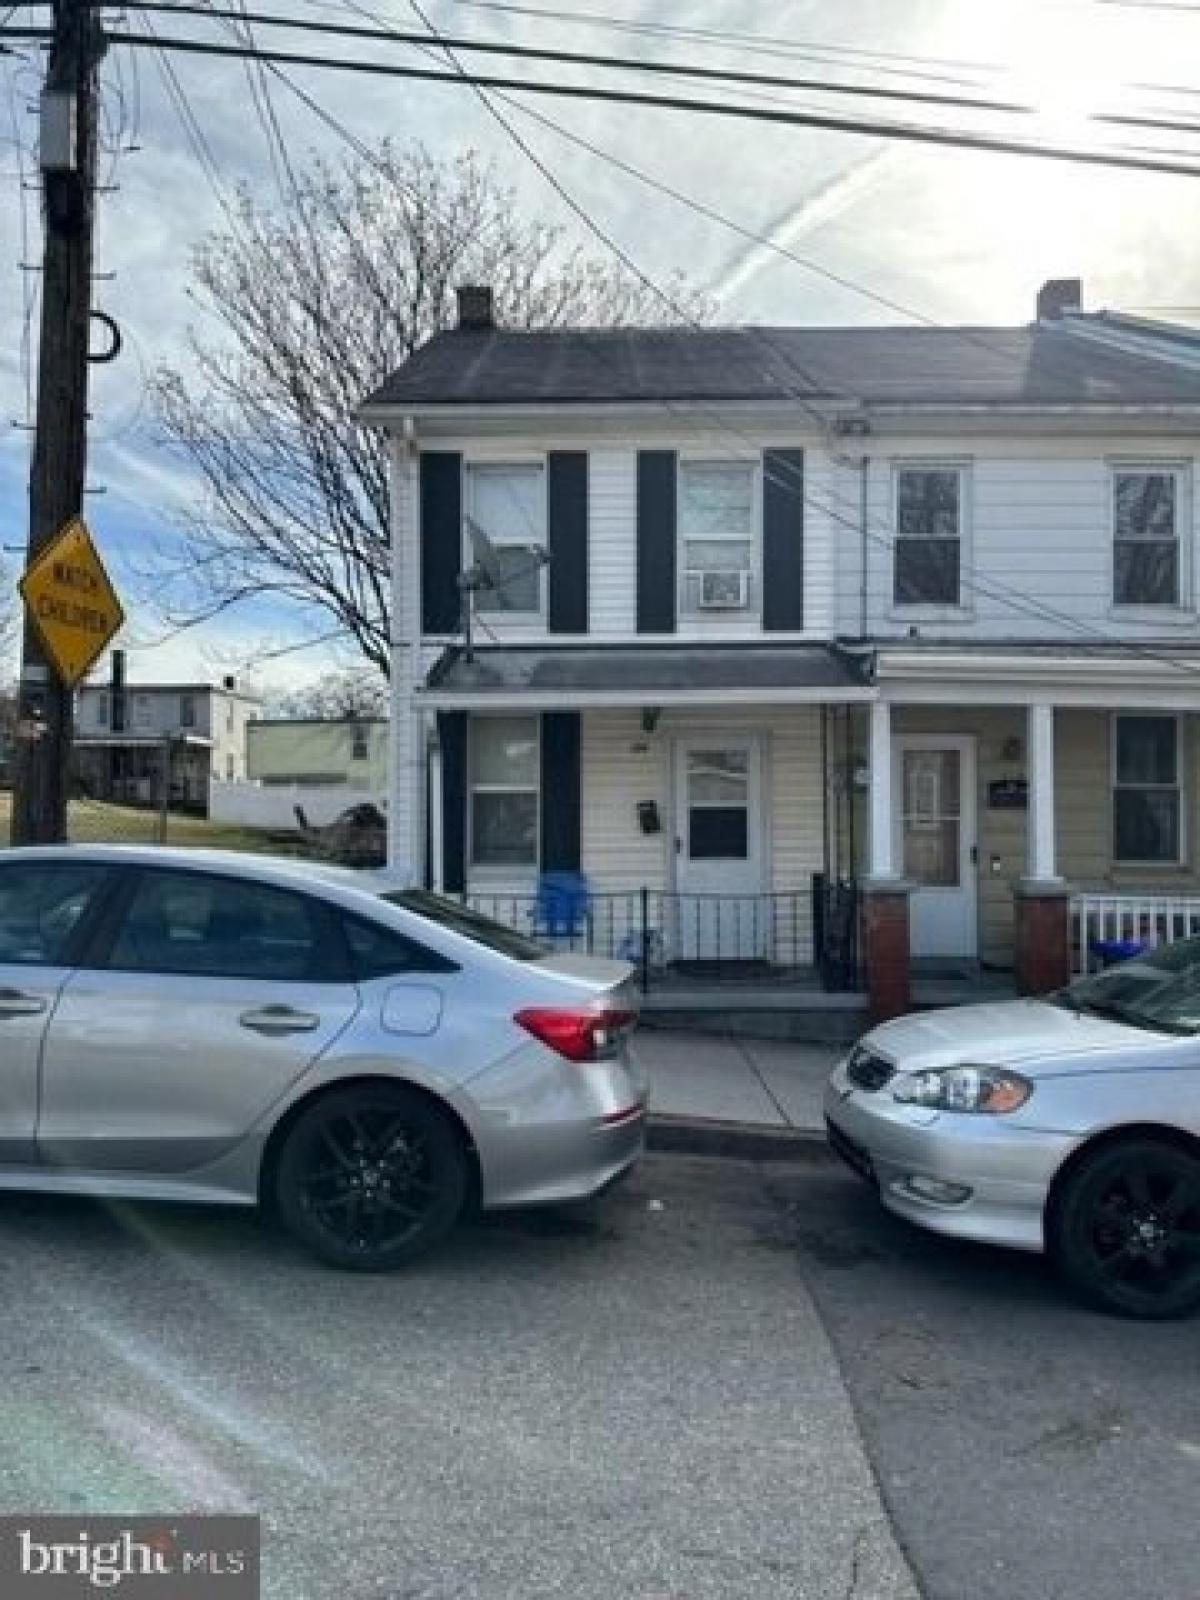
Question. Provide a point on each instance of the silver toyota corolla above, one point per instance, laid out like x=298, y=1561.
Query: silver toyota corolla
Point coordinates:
x=192, y=1025
x=1070, y=1125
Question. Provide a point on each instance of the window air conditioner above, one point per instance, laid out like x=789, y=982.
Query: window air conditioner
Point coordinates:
x=723, y=591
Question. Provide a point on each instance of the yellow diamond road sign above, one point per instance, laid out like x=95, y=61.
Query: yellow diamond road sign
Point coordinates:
x=71, y=600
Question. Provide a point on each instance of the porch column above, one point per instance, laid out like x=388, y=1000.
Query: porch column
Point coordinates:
x=881, y=790
x=437, y=863
x=884, y=893
x=1042, y=899
x=1041, y=852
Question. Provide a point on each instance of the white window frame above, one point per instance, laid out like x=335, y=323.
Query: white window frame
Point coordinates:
x=753, y=609
x=494, y=871
x=1180, y=786
x=1183, y=602
x=933, y=610
x=530, y=463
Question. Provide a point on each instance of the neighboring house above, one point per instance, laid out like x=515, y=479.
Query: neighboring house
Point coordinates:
x=124, y=734
x=914, y=607
x=349, y=752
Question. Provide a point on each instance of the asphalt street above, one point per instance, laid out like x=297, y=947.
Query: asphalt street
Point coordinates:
x=634, y=1400
x=1025, y=1446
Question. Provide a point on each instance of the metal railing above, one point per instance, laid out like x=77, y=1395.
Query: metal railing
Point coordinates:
x=1109, y=920
x=751, y=938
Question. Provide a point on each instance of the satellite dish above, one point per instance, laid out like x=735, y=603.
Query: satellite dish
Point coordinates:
x=491, y=572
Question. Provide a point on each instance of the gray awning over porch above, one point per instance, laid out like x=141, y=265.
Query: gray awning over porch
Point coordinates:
x=646, y=675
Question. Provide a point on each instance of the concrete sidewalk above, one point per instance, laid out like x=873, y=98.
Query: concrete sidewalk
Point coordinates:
x=746, y=1094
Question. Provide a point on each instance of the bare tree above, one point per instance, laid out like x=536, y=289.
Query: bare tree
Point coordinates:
x=316, y=304
x=10, y=620
x=353, y=694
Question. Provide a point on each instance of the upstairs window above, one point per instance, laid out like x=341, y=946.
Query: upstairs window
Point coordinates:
x=506, y=504
x=928, y=548
x=717, y=534
x=1147, y=805
x=1145, y=511
x=187, y=710
x=358, y=743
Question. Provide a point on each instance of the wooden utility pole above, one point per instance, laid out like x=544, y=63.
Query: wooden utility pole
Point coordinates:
x=56, y=482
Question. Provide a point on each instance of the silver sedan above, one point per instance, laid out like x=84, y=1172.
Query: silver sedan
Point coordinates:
x=190, y=1025
x=1069, y=1125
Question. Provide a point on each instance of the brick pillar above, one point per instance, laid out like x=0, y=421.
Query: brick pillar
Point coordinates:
x=885, y=947
x=1043, y=936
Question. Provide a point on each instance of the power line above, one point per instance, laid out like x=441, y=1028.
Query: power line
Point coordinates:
x=670, y=69
x=759, y=44
x=588, y=59
x=1113, y=157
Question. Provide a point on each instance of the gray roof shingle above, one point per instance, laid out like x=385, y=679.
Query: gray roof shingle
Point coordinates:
x=1034, y=365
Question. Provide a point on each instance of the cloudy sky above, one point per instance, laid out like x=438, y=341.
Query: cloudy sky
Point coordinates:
x=951, y=235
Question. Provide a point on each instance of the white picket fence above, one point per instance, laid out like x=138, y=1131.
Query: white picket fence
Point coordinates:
x=1148, y=919
x=273, y=805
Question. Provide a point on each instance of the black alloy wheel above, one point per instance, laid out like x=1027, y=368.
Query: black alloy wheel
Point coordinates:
x=1126, y=1229
x=371, y=1176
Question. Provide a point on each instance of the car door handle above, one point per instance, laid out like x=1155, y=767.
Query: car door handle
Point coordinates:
x=279, y=1019
x=15, y=1004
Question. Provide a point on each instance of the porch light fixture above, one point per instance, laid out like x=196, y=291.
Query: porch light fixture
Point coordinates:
x=650, y=716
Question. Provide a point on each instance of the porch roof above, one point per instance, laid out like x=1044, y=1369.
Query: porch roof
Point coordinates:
x=574, y=676
x=1125, y=675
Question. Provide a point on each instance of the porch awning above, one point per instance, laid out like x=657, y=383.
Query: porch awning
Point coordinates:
x=1119, y=675
x=141, y=741
x=576, y=676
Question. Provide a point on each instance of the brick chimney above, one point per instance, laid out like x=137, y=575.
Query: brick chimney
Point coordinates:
x=1057, y=296
x=476, y=308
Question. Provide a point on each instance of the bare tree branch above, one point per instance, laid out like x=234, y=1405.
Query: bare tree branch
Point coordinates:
x=313, y=307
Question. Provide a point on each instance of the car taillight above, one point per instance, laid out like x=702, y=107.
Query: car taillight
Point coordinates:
x=580, y=1033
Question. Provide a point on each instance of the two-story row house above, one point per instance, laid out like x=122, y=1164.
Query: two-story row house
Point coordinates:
x=130, y=737
x=703, y=613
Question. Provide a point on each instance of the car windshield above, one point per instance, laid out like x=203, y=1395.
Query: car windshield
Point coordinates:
x=471, y=924
x=1160, y=990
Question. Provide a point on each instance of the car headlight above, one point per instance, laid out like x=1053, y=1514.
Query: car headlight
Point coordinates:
x=963, y=1088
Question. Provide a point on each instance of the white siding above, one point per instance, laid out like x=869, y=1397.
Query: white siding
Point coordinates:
x=612, y=525
x=1039, y=541
x=612, y=533
x=622, y=765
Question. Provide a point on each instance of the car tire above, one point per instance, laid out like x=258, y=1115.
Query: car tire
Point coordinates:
x=370, y=1177
x=1125, y=1229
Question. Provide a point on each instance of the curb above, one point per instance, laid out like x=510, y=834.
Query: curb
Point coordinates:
x=736, y=1141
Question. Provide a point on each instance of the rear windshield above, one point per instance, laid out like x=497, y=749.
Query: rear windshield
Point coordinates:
x=471, y=924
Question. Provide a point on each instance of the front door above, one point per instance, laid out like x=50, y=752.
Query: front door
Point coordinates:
x=207, y=999
x=934, y=800
x=719, y=911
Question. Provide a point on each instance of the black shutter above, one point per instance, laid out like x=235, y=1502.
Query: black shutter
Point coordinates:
x=441, y=541
x=452, y=736
x=783, y=539
x=567, y=540
x=561, y=752
x=656, y=541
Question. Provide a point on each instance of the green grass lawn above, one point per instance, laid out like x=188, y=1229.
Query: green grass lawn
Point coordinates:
x=96, y=822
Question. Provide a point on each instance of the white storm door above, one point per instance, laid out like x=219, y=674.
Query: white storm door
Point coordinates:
x=719, y=855
x=934, y=789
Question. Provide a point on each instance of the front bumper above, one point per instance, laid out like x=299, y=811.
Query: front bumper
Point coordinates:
x=969, y=1176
